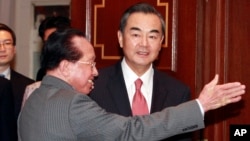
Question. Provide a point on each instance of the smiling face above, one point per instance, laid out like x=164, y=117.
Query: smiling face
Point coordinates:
x=82, y=72
x=141, y=40
x=7, y=49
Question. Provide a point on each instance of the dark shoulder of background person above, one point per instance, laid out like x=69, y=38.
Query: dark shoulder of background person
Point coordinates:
x=7, y=118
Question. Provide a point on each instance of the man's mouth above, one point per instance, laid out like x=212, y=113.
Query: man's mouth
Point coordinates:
x=92, y=83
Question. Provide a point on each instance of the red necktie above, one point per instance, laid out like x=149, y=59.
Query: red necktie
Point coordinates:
x=139, y=105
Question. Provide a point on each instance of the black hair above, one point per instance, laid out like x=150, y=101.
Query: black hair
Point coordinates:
x=8, y=29
x=59, y=46
x=58, y=22
x=144, y=8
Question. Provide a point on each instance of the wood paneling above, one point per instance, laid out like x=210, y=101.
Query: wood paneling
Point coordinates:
x=224, y=47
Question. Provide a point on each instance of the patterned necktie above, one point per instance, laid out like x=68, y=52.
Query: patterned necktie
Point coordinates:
x=139, y=105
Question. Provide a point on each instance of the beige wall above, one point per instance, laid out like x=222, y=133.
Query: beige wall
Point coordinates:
x=18, y=14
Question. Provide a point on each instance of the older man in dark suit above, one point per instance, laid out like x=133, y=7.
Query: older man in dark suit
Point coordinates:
x=141, y=33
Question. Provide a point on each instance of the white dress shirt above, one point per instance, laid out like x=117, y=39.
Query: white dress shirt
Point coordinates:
x=147, y=86
x=6, y=73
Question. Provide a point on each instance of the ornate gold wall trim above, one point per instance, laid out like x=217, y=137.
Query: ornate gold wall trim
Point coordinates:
x=159, y=3
x=102, y=46
x=95, y=33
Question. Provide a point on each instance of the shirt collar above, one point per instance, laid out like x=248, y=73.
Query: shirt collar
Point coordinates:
x=6, y=73
x=130, y=76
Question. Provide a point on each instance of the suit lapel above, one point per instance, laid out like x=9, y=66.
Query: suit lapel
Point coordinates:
x=118, y=91
x=159, y=94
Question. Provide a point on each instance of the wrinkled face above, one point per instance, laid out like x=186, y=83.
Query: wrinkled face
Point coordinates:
x=141, y=40
x=83, y=71
x=7, y=49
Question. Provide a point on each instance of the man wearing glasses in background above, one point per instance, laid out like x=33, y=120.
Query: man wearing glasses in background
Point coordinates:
x=7, y=54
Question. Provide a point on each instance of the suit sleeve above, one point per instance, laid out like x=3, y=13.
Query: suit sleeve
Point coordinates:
x=88, y=121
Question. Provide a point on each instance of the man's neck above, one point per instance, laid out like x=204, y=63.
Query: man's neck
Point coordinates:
x=4, y=68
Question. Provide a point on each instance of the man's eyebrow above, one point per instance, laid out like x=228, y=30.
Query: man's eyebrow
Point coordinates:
x=10, y=40
x=154, y=31
x=151, y=31
x=135, y=28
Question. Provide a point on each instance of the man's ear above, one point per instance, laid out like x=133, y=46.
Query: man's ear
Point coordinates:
x=64, y=68
x=120, y=38
x=14, y=50
x=162, y=38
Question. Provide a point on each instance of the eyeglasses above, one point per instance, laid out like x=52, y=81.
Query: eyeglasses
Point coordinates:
x=88, y=63
x=6, y=44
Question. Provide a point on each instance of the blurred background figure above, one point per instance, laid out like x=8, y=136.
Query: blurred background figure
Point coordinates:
x=48, y=26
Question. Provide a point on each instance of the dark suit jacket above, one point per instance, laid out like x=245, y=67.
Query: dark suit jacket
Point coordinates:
x=57, y=112
x=111, y=94
x=7, y=119
x=19, y=83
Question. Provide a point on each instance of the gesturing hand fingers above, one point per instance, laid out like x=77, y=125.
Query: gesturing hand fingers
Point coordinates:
x=214, y=96
x=210, y=86
x=233, y=94
x=228, y=93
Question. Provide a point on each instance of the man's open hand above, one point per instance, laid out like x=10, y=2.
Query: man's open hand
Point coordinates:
x=214, y=96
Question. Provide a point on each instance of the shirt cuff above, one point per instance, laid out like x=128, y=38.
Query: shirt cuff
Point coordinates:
x=201, y=108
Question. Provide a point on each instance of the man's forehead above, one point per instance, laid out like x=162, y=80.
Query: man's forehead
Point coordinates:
x=88, y=53
x=85, y=47
x=4, y=32
x=144, y=21
x=88, y=56
x=5, y=36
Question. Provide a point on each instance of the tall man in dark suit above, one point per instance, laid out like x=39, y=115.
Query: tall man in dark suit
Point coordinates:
x=60, y=110
x=140, y=35
x=7, y=118
x=7, y=53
